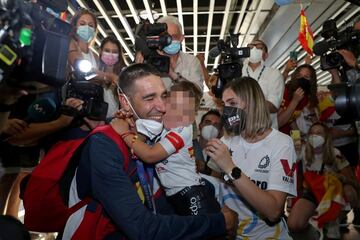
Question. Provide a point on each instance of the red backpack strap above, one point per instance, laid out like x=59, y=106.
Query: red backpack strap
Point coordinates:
x=111, y=133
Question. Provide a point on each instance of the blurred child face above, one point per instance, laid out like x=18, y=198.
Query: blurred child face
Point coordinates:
x=180, y=110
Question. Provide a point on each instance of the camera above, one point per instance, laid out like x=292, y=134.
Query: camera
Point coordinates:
x=33, y=43
x=333, y=40
x=231, y=66
x=347, y=101
x=92, y=94
x=148, y=39
x=347, y=94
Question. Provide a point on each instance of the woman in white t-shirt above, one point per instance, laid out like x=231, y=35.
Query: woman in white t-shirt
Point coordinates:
x=258, y=160
x=319, y=158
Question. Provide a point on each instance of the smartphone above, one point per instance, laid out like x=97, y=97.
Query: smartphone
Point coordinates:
x=294, y=55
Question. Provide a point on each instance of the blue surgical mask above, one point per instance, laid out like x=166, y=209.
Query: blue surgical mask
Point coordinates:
x=173, y=48
x=85, y=32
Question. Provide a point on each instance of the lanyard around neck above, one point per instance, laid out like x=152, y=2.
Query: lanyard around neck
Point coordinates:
x=261, y=72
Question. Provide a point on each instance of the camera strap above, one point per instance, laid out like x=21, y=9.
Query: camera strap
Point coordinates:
x=261, y=72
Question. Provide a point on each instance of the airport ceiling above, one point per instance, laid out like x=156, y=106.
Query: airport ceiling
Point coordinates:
x=207, y=21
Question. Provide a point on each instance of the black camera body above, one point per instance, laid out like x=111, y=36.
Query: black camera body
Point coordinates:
x=347, y=94
x=347, y=100
x=331, y=61
x=148, y=39
x=335, y=40
x=92, y=94
x=231, y=66
x=33, y=44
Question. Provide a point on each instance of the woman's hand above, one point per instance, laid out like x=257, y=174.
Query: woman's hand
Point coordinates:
x=290, y=65
x=220, y=153
x=298, y=95
x=104, y=79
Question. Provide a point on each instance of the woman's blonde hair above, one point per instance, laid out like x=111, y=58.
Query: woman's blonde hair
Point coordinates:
x=257, y=114
x=328, y=156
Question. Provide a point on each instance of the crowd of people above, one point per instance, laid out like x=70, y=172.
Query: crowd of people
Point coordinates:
x=153, y=156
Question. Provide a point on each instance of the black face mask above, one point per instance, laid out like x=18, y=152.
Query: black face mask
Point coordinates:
x=233, y=119
x=305, y=85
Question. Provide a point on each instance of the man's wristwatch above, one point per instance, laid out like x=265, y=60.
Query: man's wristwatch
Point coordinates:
x=233, y=175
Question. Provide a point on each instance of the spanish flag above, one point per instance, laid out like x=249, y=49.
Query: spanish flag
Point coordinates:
x=328, y=191
x=306, y=37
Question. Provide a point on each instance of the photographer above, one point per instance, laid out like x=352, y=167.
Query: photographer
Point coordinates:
x=8, y=97
x=182, y=65
x=84, y=30
x=270, y=79
x=352, y=59
x=20, y=152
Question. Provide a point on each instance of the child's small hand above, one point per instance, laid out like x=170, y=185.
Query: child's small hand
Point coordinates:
x=121, y=126
x=122, y=113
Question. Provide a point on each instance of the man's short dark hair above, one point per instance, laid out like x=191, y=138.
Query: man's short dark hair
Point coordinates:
x=133, y=72
x=210, y=112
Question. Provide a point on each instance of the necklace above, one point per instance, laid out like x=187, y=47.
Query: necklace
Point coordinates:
x=246, y=150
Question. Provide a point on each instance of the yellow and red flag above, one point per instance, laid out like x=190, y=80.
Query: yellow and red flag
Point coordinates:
x=306, y=37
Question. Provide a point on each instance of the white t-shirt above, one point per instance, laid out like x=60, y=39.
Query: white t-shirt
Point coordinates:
x=179, y=169
x=109, y=98
x=269, y=163
x=272, y=84
x=91, y=58
x=188, y=66
x=339, y=163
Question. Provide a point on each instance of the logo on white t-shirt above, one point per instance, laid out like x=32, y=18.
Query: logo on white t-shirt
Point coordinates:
x=289, y=172
x=263, y=164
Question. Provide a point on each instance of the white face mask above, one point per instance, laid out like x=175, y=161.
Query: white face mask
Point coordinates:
x=255, y=55
x=149, y=128
x=316, y=140
x=208, y=132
